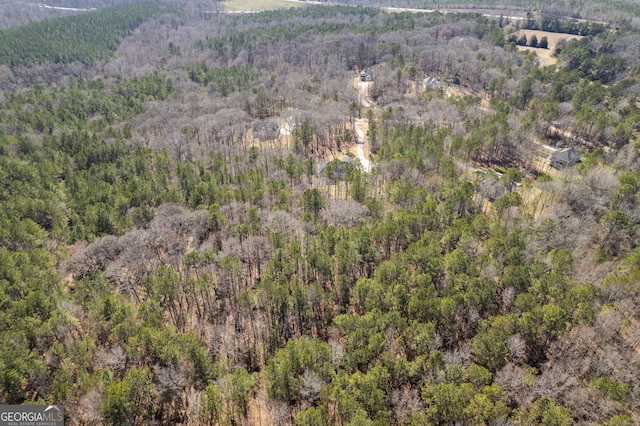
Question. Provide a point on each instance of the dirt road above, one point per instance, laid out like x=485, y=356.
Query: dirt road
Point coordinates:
x=361, y=123
x=360, y=146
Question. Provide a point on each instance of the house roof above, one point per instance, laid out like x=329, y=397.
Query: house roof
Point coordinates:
x=568, y=155
x=430, y=82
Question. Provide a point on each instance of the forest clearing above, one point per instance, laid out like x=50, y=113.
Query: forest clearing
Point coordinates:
x=258, y=5
x=546, y=56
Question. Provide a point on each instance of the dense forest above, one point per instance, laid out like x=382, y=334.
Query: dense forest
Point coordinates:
x=84, y=38
x=189, y=234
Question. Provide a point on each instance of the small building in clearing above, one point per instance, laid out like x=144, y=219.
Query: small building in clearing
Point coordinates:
x=366, y=75
x=565, y=158
x=430, y=83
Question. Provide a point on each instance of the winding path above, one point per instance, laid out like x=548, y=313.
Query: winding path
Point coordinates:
x=364, y=161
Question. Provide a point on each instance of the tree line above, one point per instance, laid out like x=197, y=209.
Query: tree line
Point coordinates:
x=556, y=25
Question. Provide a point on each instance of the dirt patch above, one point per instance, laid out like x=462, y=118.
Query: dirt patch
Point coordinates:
x=248, y=6
x=544, y=55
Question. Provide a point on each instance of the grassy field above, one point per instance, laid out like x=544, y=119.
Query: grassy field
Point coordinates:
x=544, y=55
x=258, y=5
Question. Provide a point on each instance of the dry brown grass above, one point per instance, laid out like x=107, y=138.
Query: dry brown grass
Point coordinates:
x=258, y=5
x=544, y=55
